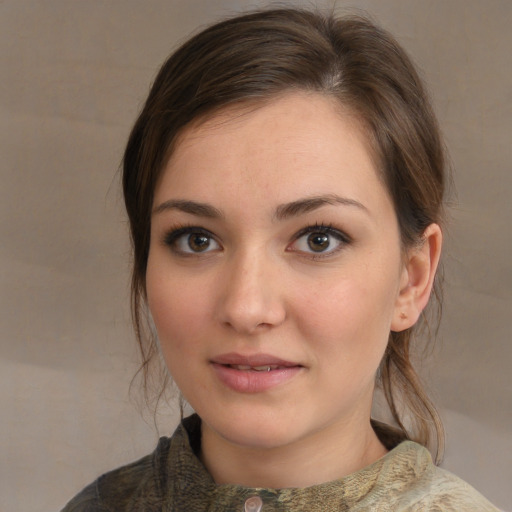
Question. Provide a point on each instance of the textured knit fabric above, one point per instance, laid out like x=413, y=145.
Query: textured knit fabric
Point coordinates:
x=172, y=479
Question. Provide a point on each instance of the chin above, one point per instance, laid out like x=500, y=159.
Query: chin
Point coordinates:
x=256, y=431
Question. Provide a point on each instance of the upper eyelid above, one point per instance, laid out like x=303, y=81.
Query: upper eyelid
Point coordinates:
x=342, y=237
x=172, y=234
x=180, y=230
x=323, y=228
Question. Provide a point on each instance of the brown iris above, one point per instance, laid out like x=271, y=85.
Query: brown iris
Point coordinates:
x=198, y=242
x=318, y=242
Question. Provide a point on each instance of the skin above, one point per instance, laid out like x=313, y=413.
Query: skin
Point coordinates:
x=257, y=287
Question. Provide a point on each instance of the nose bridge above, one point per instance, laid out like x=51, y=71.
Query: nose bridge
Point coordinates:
x=250, y=295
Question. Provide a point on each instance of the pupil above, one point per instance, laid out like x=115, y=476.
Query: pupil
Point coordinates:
x=198, y=242
x=318, y=241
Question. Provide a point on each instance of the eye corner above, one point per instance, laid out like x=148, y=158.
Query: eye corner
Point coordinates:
x=179, y=240
x=334, y=240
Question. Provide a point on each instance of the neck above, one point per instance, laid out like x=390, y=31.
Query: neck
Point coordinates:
x=324, y=456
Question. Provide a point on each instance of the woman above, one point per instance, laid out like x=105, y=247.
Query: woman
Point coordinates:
x=284, y=184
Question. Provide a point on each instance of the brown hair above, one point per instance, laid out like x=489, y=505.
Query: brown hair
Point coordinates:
x=253, y=58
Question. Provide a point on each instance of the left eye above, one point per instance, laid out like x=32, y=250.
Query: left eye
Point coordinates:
x=319, y=240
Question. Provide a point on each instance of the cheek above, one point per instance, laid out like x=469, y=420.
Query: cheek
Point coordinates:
x=178, y=312
x=348, y=318
x=347, y=301
x=180, y=315
x=177, y=319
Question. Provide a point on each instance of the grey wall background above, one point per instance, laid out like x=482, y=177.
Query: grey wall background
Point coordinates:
x=74, y=75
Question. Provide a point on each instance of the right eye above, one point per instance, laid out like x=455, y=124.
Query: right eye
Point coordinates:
x=191, y=241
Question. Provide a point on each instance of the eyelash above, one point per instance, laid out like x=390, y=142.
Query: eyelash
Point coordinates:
x=326, y=229
x=171, y=238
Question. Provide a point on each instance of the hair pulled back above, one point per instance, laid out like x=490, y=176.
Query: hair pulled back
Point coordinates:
x=257, y=56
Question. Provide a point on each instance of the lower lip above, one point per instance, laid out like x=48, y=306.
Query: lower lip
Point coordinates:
x=250, y=381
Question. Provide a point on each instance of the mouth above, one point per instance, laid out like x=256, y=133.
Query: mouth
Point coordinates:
x=253, y=362
x=248, y=368
x=254, y=373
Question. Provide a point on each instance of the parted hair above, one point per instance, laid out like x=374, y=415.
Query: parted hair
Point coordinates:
x=253, y=58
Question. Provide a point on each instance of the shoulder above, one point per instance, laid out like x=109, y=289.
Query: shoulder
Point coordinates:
x=444, y=491
x=135, y=486
x=430, y=488
x=87, y=500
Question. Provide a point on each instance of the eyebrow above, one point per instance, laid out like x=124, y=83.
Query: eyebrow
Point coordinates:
x=192, y=207
x=283, y=211
x=309, y=204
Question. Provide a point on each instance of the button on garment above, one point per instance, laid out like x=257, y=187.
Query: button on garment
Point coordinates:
x=253, y=504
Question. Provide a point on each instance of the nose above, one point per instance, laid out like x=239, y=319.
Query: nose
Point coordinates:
x=251, y=297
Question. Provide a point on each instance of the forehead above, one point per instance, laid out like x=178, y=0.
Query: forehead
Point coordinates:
x=287, y=146
x=304, y=109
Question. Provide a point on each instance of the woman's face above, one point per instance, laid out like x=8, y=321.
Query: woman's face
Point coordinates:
x=274, y=270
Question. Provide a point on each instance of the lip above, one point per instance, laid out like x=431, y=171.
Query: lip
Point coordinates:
x=253, y=373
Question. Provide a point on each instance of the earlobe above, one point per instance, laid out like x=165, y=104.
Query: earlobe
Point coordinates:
x=417, y=279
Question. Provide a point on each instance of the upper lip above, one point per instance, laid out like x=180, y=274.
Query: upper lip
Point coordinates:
x=252, y=360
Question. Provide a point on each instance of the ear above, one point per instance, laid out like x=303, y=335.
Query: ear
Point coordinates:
x=417, y=279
